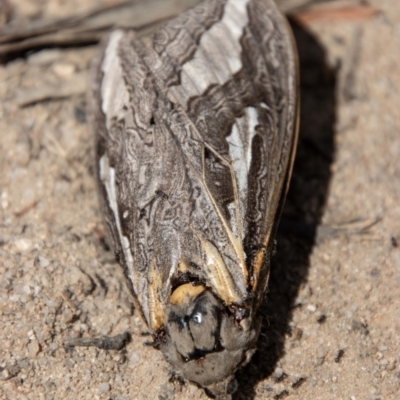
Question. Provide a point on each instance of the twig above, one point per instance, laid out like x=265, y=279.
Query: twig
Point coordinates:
x=88, y=27
x=335, y=11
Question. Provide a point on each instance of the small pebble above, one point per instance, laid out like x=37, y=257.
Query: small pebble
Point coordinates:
x=33, y=348
x=44, y=262
x=64, y=70
x=312, y=308
x=103, y=387
x=23, y=245
x=321, y=354
x=134, y=358
x=297, y=333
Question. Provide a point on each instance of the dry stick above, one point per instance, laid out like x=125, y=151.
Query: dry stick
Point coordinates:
x=76, y=85
x=105, y=342
x=88, y=27
x=144, y=16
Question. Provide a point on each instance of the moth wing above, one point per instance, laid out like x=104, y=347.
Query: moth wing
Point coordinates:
x=195, y=134
x=237, y=84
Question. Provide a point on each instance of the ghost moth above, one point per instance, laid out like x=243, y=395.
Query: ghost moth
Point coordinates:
x=195, y=129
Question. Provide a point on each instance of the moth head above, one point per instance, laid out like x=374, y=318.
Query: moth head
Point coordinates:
x=204, y=341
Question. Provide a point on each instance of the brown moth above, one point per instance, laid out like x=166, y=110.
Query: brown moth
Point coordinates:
x=196, y=130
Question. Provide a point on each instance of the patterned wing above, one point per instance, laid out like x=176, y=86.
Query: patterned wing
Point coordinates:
x=196, y=131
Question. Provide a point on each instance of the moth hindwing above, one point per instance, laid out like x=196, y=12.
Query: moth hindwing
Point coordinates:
x=195, y=132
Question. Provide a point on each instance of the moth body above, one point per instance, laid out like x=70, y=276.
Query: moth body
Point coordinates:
x=195, y=131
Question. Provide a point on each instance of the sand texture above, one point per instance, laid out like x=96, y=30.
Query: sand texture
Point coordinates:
x=332, y=315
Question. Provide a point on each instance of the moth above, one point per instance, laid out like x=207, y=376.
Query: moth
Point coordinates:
x=196, y=129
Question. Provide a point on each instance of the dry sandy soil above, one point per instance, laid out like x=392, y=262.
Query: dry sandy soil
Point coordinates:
x=332, y=315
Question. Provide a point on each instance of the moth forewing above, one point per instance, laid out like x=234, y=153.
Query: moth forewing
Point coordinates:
x=195, y=132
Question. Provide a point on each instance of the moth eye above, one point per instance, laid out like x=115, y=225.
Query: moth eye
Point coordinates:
x=197, y=318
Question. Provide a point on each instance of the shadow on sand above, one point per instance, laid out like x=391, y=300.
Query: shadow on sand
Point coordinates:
x=302, y=212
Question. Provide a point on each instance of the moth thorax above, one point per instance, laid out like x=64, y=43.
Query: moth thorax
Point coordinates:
x=204, y=341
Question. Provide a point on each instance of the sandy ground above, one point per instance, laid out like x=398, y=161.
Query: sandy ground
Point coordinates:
x=332, y=316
